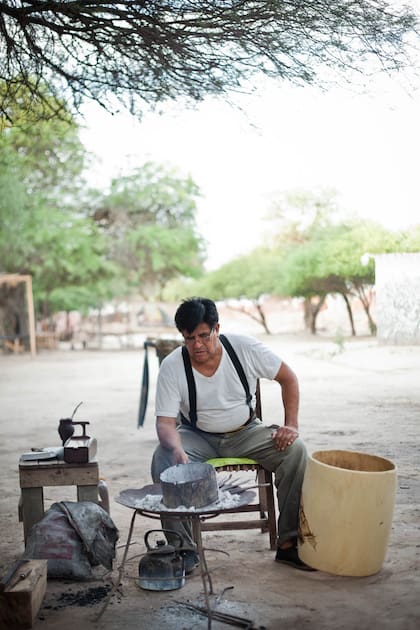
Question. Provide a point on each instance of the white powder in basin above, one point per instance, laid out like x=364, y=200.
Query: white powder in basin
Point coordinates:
x=153, y=502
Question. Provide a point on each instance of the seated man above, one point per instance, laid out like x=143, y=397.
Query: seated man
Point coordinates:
x=224, y=423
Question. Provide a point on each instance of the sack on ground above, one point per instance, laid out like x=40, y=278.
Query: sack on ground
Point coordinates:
x=74, y=537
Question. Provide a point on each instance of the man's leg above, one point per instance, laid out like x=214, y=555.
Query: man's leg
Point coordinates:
x=198, y=449
x=288, y=466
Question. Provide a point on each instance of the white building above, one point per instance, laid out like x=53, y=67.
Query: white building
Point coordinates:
x=398, y=298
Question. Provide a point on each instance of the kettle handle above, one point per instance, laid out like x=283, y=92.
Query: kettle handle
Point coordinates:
x=170, y=531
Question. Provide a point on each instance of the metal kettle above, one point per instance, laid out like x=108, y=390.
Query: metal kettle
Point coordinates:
x=162, y=567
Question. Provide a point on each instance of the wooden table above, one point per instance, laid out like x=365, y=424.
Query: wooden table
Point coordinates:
x=35, y=475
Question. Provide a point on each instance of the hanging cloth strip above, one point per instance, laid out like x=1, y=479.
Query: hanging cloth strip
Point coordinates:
x=144, y=391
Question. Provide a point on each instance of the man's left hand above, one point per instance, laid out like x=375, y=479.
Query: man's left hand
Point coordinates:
x=284, y=437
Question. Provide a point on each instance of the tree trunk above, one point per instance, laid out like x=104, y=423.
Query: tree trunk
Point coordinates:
x=372, y=325
x=261, y=319
x=350, y=314
x=366, y=306
x=307, y=313
x=311, y=312
x=100, y=326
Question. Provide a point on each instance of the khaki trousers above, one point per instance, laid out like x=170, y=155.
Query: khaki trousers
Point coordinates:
x=253, y=441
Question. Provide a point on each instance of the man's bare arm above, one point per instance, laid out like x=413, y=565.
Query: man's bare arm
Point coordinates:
x=287, y=434
x=169, y=438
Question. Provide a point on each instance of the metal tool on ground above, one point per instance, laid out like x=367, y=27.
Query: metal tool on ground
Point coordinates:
x=21, y=575
x=238, y=489
x=15, y=573
x=227, y=618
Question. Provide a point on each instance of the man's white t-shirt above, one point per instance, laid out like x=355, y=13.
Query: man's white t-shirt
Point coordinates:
x=221, y=400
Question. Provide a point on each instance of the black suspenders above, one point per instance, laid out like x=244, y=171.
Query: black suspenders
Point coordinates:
x=192, y=392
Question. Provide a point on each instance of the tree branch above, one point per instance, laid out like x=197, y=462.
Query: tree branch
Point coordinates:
x=146, y=52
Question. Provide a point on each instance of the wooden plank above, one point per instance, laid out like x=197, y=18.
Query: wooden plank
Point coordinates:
x=58, y=475
x=232, y=525
x=40, y=464
x=46, y=340
x=20, y=604
x=32, y=508
x=12, y=278
x=31, y=315
x=87, y=493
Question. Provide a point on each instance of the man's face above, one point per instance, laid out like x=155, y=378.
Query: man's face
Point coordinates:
x=202, y=342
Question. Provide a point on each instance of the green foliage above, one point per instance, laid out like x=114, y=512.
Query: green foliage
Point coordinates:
x=157, y=193
x=150, y=217
x=47, y=154
x=65, y=254
x=301, y=277
x=316, y=251
x=138, y=236
x=13, y=195
x=160, y=253
x=43, y=232
x=247, y=276
x=410, y=241
x=329, y=260
x=299, y=213
x=344, y=245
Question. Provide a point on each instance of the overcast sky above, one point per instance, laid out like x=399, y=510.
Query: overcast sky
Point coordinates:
x=365, y=146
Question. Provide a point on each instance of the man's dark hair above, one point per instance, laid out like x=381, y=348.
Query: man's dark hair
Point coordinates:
x=194, y=311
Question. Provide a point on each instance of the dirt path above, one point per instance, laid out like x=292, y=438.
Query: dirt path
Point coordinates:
x=365, y=398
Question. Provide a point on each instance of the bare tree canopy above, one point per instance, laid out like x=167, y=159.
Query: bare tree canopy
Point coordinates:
x=150, y=51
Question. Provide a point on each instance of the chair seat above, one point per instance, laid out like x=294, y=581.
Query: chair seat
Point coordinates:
x=219, y=462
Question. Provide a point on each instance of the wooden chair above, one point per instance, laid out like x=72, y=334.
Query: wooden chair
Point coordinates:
x=266, y=522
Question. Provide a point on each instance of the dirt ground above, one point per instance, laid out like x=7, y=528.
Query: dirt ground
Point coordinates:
x=363, y=397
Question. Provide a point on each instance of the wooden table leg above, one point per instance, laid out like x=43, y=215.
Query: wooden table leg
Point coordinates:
x=32, y=508
x=87, y=493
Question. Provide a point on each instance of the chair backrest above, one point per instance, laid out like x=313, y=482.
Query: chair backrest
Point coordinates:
x=266, y=520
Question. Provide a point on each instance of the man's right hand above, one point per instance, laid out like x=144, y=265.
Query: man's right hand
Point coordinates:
x=179, y=456
x=169, y=438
